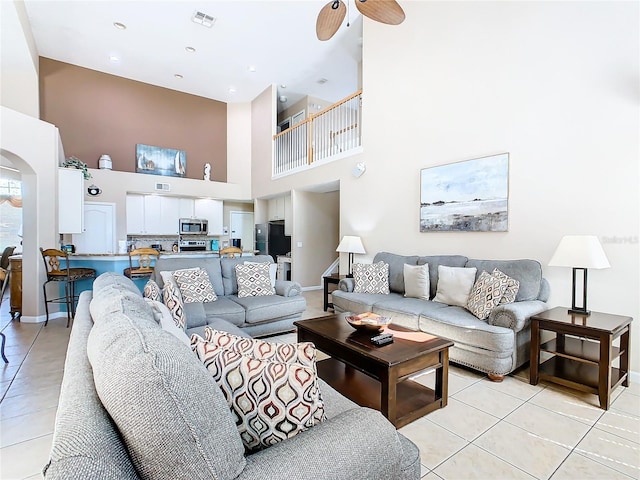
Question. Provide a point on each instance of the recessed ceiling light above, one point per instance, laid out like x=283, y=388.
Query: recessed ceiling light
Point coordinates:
x=113, y=59
x=322, y=81
x=203, y=19
x=178, y=76
x=283, y=99
x=190, y=49
x=251, y=68
x=232, y=90
x=119, y=26
x=283, y=86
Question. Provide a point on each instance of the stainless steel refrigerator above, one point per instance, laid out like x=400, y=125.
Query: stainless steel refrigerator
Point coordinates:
x=271, y=240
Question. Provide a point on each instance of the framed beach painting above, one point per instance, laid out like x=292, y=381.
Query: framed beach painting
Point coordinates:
x=160, y=161
x=469, y=196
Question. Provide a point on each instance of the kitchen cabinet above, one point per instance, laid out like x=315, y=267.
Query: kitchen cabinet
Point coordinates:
x=135, y=214
x=70, y=200
x=211, y=210
x=159, y=214
x=99, y=229
x=288, y=216
x=276, y=208
x=186, y=207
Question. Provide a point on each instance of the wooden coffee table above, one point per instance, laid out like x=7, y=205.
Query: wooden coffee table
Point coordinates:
x=379, y=377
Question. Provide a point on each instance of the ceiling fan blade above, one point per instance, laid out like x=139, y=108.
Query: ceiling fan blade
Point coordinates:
x=384, y=11
x=330, y=18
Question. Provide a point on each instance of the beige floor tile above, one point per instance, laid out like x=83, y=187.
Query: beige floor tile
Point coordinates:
x=25, y=427
x=25, y=404
x=567, y=404
x=578, y=467
x=455, y=384
x=25, y=459
x=423, y=471
x=475, y=463
x=435, y=443
x=465, y=372
x=515, y=386
x=431, y=476
x=550, y=425
x=30, y=385
x=627, y=403
x=8, y=372
x=488, y=400
x=633, y=388
x=463, y=420
x=536, y=455
x=37, y=476
x=621, y=424
x=611, y=451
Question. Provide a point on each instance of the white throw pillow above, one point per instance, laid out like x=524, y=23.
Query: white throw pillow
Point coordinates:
x=454, y=285
x=416, y=281
x=273, y=270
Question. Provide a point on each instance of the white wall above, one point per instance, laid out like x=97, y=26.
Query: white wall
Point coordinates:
x=555, y=85
x=239, y=146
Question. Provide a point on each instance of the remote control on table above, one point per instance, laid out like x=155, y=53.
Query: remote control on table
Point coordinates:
x=382, y=339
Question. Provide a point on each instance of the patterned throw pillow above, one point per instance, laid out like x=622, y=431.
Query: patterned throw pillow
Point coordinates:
x=270, y=400
x=173, y=300
x=253, y=280
x=371, y=278
x=194, y=285
x=152, y=291
x=513, y=286
x=485, y=295
x=303, y=353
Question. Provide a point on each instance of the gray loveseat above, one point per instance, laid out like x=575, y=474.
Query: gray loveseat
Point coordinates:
x=256, y=315
x=497, y=345
x=137, y=403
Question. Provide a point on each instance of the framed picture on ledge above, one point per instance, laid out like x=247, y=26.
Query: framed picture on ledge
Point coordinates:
x=468, y=196
x=160, y=161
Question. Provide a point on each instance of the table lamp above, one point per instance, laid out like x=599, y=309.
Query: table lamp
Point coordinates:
x=350, y=244
x=579, y=252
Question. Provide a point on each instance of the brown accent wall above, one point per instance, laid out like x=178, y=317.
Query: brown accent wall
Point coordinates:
x=98, y=113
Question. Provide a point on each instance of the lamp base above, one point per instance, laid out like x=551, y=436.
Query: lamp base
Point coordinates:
x=579, y=311
x=350, y=275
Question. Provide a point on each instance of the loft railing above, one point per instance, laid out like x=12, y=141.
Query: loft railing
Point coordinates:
x=334, y=131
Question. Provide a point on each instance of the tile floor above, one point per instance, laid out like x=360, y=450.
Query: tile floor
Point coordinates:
x=507, y=430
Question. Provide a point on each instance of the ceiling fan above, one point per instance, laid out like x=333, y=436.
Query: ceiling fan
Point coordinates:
x=332, y=14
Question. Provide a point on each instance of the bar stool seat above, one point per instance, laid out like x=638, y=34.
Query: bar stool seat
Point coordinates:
x=70, y=276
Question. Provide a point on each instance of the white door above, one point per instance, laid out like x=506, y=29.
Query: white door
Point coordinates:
x=242, y=227
x=99, y=227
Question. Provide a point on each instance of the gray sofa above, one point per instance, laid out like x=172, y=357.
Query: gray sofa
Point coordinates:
x=137, y=403
x=258, y=316
x=496, y=346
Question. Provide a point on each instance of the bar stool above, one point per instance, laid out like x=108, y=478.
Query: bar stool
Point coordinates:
x=69, y=276
x=145, y=263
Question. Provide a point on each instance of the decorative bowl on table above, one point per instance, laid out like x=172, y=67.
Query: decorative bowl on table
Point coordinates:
x=368, y=322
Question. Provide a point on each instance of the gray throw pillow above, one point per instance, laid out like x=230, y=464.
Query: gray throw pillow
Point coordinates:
x=172, y=416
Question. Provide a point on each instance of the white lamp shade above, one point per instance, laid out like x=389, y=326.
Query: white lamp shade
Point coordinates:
x=579, y=251
x=350, y=244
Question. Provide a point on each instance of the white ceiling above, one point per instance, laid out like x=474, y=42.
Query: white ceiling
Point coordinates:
x=276, y=37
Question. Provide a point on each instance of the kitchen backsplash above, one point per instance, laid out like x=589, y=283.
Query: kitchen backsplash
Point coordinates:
x=167, y=242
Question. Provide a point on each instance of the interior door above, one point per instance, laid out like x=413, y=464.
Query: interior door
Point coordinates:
x=99, y=228
x=242, y=227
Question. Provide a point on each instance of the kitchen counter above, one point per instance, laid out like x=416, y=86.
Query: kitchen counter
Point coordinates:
x=113, y=256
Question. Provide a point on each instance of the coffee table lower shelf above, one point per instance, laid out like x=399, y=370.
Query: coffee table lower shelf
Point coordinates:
x=413, y=400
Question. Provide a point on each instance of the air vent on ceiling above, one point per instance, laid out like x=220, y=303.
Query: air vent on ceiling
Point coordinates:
x=203, y=19
x=163, y=187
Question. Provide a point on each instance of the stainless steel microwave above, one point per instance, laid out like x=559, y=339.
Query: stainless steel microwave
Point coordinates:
x=193, y=226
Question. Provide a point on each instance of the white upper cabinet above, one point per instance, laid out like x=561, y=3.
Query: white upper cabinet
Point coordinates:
x=211, y=210
x=135, y=214
x=70, y=200
x=288, y=216
x=276, y=208
x=186, y=208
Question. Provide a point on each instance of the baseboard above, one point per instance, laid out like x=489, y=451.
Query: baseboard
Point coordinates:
x=42, y=318
x=313, y=287
x=634, y=377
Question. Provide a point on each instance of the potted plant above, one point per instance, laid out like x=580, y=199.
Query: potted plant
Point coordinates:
x=79, y=164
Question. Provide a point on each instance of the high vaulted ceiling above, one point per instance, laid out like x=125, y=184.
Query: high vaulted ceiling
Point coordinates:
x=276, y=38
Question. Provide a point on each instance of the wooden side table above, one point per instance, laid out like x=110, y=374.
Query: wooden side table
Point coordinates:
x=328, y=280
x=15, y=286
x=583, y=351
